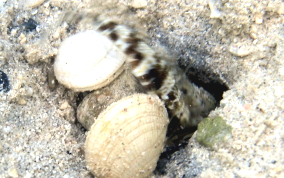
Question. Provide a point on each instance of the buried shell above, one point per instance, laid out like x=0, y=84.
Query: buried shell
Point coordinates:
x=127, y=138
x=88, y=61
x=95, y=102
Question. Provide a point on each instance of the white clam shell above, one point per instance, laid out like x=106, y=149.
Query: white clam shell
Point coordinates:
x=127, y=138
x=88, y=61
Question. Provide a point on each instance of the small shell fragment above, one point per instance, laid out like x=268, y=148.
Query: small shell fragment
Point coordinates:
x=88, y=61
x=139, y=4
x=13, y=173
x=64, y=105
x=215, y=13
x=239, y=50
x=22, y=101
x=258, y=18
x=127, y=138
x=33, y=3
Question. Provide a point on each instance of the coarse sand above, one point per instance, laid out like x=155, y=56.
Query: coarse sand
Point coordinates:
x=237, y=43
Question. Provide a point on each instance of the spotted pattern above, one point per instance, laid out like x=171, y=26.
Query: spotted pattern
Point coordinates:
x=147, y=65
x=183, y=100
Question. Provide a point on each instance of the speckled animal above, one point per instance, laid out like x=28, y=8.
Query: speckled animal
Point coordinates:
x=183, y=100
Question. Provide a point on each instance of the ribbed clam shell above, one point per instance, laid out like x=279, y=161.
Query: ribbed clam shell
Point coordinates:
x=127, y=138
x=88, y=61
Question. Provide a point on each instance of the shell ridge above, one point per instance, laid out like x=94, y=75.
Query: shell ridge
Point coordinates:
x=132, y=151
x=125, y=124
x=132, y=162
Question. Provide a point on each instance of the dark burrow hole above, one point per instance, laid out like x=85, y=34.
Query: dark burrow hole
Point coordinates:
x=216, y=88
x=4, y=82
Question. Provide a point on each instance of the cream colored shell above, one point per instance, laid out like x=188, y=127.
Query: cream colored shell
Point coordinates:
x=88, y=61
x=127, y=138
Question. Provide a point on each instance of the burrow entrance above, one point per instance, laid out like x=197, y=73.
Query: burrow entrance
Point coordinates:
x=216, y=88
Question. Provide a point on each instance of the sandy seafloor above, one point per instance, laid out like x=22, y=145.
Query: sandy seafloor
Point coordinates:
x=238, y=43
